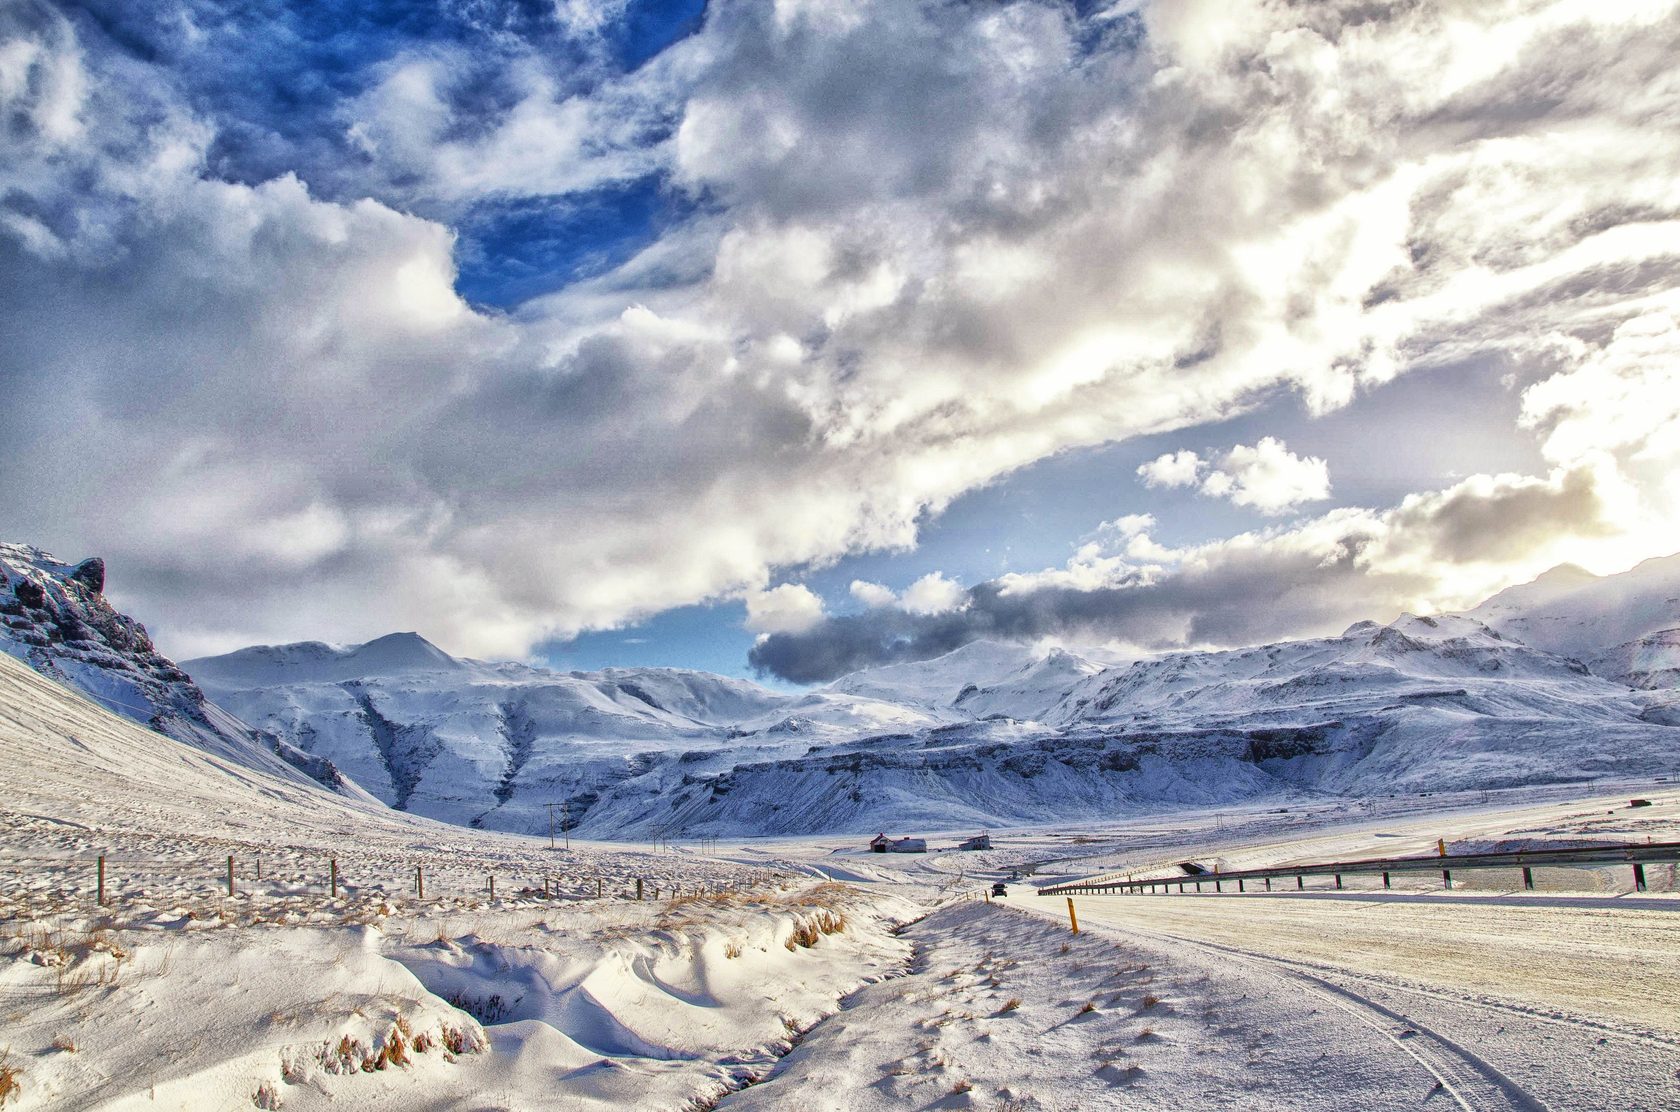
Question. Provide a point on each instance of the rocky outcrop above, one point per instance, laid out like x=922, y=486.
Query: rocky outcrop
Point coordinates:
x=54, y=617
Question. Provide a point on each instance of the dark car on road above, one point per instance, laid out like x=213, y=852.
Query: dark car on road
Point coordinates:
x=1000, y=889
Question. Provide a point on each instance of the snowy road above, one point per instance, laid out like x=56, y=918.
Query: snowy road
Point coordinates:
x=1511, y=1003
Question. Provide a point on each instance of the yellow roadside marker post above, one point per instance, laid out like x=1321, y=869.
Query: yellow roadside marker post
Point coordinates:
x=1072, y=918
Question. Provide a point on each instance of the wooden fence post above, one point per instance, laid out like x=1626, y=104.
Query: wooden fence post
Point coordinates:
x=230, y=874
x=492, y=885
x=102, y=880
x=638, y=888
x=1073, y=919
x=597, y=887
x=419, y=883
x=332, y=866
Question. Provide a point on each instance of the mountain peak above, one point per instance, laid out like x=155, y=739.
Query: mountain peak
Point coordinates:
x=402, y=650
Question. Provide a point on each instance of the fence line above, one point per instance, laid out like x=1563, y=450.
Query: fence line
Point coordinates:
x=104, y=875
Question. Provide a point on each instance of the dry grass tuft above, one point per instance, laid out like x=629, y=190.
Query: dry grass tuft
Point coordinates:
x=1009, y=1005
x=732, y=950
x=806, y=932
x=1088, y=1007
x=10, y=1086
x=1149, y=1001
x=64, y=1043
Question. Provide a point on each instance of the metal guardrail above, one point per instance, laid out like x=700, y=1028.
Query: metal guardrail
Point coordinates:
x=1637, y=855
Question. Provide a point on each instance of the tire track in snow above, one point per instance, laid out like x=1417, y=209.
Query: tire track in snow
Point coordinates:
x=1473, y=1083
x=1577, y=1024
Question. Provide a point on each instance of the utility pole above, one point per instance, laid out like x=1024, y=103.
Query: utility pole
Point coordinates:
x=563, y=824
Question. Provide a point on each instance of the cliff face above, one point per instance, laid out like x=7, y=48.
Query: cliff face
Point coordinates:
x=54, y=617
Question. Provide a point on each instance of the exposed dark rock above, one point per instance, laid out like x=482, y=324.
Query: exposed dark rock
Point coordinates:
x=90, y=573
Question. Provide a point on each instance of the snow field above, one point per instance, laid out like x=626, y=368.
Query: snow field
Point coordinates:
x=1002, y=1010
x=176, y=995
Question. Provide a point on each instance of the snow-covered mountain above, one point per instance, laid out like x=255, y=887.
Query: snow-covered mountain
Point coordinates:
x=54, y=617
x=1421, y=704
x=1624, y=625
x=494, y=744
x=990, y=733
x=936, y=684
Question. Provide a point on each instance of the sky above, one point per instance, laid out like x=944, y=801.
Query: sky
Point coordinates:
x=785, y=338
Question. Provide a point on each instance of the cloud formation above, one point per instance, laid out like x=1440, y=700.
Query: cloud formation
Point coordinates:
x=930, y=244
x=789, y=608
x=1266, y=476
x=1441, y=550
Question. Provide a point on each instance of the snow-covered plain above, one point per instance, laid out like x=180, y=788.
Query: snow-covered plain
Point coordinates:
x=176, y=994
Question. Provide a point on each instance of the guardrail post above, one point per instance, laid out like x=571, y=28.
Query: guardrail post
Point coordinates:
x=1218, y=885
x=1198, y=886
x=1338, y=882
x=1446, y=877
x=1181, y=887
x=1528, y=878
x=1299, y=883
x=1638, y=877
x=1385, y=879
x=1268, y=884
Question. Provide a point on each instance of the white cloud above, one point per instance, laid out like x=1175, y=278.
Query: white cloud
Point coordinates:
x=789, y=608
x=1623, y=398
x=872, y=594
x=940, y=242
x=933, y=594
x=1172, y=469
x=1268, y=477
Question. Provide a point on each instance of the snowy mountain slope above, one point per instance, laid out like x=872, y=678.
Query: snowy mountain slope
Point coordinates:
x=1651, y=662
x=1423, y=704
x=935, y=684
x=493, y=745
x=1030, y=691
x=989, y=733
x=1573, y=612
x=54, y=617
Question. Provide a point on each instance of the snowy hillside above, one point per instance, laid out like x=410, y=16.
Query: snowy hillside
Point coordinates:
x=1422, y=704
x=54, y=617
x=494, y=744
x=937, y=683
x=991, y=733
x=1578, y=614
